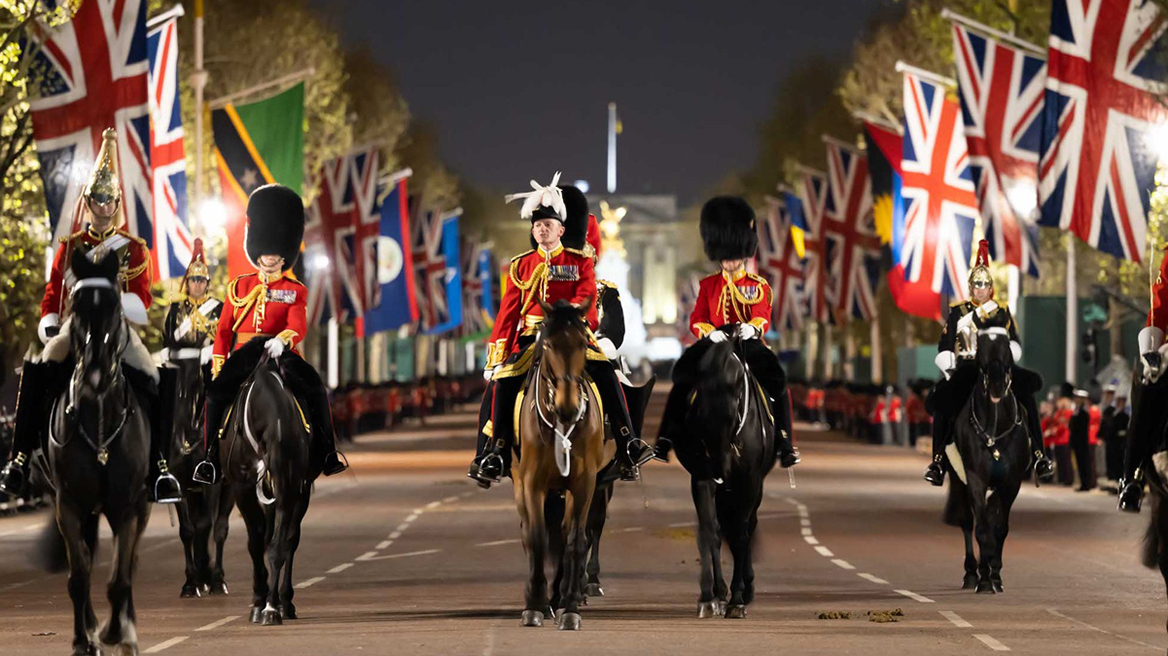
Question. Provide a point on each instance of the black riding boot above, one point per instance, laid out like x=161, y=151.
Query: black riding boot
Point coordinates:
x=491, y=464
x=206, y=472
x=674, y=412
x=1147, y=424
x=32, y=408
x=935, y=473
x=631, y=452
x=165, y=487
x=785, y=453
x=325, y=440
x=1043, y=469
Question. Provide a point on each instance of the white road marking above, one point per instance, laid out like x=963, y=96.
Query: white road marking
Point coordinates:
x=824, y=551
x=400, y=528
x=411, y=518
x=810, y=539
x=1104, y=631
x=489, y=650
x=806, y=531
x=433, y=504
x=844, y=564
x=497, y=543
x=165, y=645
x=990, y=642
x=405, y=555
x=914, y=596
x=384, y=544
x=368, y=555
x=956, y=619
x=870, y=577
x=395, y=535
x=309, y=582
x=218, y=623
x=682, y=524
x=340, y=568
x=805, y=522
x=791, y=501
x=631, y=529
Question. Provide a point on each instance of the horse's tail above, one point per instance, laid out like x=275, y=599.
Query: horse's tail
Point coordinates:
x=49, y=553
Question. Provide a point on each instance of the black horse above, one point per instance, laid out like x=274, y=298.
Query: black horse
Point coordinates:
x=728, y=451
x=204, y=508
x=266, y=470
x=97, y=456
x=992, y=448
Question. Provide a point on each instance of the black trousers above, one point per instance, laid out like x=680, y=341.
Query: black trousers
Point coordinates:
x=1085, y=463
x=1145, y=434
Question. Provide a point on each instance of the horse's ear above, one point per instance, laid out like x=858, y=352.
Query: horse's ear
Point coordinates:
x=547, y=309
x=108, y=267
x=80, y=265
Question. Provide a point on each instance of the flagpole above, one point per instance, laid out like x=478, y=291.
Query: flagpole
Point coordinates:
x=612, y=148
x=989, y=31
x=173, y=12
x=1072, y=313
x=827, y=139
x=199, y=79
x=935, y=78
x=877, y=120
x=874, y=345
x=288, y=79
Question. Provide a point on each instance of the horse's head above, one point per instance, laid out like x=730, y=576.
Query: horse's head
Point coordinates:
x=721, y=379
x=98, y=331
x=563, y=339
x=995, y=359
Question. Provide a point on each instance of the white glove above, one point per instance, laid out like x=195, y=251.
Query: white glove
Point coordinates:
x=1150, y=342
x=489, y=373
x=747, y=331
x=1016, y=350
x=717, y=336
x=607, y=347
x=205, y=354
x=133, y=308
x=275, y=347
x=946, y=362
x=49, y=321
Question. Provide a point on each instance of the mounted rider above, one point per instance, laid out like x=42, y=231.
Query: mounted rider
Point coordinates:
x=42, y=380
x=550, y=272
x=732, y=298
x=1149, y=412
x=189, y=330
x=268, y=313
x=956, y=358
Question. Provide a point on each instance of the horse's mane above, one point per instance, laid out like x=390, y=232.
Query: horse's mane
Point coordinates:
x=562, y=317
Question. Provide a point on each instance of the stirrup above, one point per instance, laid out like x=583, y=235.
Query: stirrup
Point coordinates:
x=643, y=447
x=13, y=476
x=341, y=464
x=485, y=468
x=662, y=449
x=205, y=473
x=166, y=482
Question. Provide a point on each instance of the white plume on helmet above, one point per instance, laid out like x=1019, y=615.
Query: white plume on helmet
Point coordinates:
x=549, y=196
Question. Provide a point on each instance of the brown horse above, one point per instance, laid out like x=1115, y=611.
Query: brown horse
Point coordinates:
x=561, y=438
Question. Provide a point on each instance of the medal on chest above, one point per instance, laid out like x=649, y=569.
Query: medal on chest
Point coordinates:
x=287, y=296
x=563, y=273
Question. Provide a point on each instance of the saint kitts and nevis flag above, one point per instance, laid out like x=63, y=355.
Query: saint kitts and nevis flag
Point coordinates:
x=256, y=144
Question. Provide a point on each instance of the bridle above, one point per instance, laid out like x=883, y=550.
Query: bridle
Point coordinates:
x=562, y=432
x=991, y=441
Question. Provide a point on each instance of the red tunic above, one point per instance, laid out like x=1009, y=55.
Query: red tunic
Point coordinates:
x=1158, y=315
x=275, y=309
x=747, y=300
x=564, y=274
x=133, y=266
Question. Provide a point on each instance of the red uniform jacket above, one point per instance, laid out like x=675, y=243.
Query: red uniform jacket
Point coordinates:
x=1095, y=417
x=564, y=274
x=725, y=298
x=1062, y=427
x=1158, y=315
x=255, y=309
x=133, y=272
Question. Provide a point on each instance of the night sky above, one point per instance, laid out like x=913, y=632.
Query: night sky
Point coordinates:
x=518, y=90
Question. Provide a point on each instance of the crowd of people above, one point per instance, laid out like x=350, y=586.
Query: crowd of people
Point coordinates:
x=368, y=407
x=878, y=414
x=1073, y=425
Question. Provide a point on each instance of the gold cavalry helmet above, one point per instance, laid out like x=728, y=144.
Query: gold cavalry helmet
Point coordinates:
x=105, y=185
x=198, y=267
x=980, y=273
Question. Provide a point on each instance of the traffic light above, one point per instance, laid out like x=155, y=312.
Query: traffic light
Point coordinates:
x=1088, y=350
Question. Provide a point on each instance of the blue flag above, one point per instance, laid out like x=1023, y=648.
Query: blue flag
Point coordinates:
x=487, y=277
x=798, y=222
x=450, y=251
x=395, y=264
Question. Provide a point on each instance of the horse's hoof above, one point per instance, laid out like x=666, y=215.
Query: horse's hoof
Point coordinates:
x=970, y=582
x=532, y=618
x=593, y=590
x=721, y=607
x=190, y=592
x=985, y=587
x=708, y=609
x=257, y=614
x=219, y=588
x=204, y=589
x=270, y=617
x=570, y=622
x=997, y=583
x=736, y=612
x=288, y=612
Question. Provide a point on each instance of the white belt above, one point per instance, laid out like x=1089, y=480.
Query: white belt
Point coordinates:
x=185, y=353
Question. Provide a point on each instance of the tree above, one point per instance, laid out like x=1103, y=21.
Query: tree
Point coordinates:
x=378, y=113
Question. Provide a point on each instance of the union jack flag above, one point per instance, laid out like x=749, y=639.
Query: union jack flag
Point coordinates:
x=778, y=261
x=1001, y=91
x=430, y=268
x=1103, y=79
x=328, y=238
x=940, y=203
x=172, y=236
x=811, y=200
x=850, y=229
x=91, y=74
x=477, y=265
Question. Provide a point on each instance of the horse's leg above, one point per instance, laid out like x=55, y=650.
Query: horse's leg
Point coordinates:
x=186, y=533
x=534, y=534
x=553, y=517
x=959, y=512
x=80, y=552
x=120, y=632
x=279, y=537
x=287, y=608
x=257, y=524
x=738, y=522
x=597, y=516
x=578, y=503
x=1005, y=500
x=983, y=530
x=220, y=502
x=709, y=545
x=201, y=516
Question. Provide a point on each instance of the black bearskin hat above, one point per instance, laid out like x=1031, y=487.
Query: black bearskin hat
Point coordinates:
x=727, y=228
x=275, y=224
x=1066, y=391
x=576, y=225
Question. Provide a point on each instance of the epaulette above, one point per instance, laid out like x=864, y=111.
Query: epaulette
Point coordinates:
x=522, y=255
x=757, y=278
x=953, y=305
x=141, y=242
x=79, y=233
x=295, y=281
x=606, y=283
x=577, y=252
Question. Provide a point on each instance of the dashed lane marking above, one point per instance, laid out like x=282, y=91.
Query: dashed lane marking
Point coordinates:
x=914, y=596
x=806, y=531
x=805, y=522
x=498, y=542
x=384, y=544
x=682, y=524
x=395, y=535
x=824, y=551
x=811, y=539
x=424, y=552
x=870, y=577
x=218, y=623
x=956, y=619
x=631, y=529
x=340, y=568
x=990, y=642
x=368, y=555
x=1104, y=631
x=839, y=562
x=401, y=527
x=450, y=499
x=165, y=645
x=307, y=583
x=411, y=518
